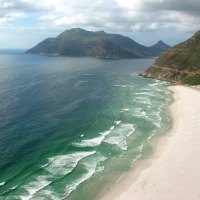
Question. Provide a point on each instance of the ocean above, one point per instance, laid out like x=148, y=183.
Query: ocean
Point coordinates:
x=70, y=126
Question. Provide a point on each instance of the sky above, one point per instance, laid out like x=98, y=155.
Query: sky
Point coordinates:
x=24, y=23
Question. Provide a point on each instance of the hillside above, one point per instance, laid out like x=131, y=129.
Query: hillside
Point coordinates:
x=180, y=64
x=79, y=42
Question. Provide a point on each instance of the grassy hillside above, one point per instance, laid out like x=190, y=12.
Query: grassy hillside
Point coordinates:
x=180, y=63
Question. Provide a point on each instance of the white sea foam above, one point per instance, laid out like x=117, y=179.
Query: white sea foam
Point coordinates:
x=119, y=141
x=141, y=98
x=147, y=94
x=155, y=118
x=117, y=122
x=139, y=112
x=147, y=102
x=146, y=89
x=13, y=188
x=119, y=135
x=94, y=142
x=157, y=115
x=140, y=148
x=135, y=159
x=125, y=110
x=108, y=132
x=158, y=89
x=2, y=184
x=64, y=164
x=157, y=123
x=153, y=134
x=124, y=86
x=111, y=128
x=34, y=186
x=82, y=135
x=90, y=142
x=153, y=84
x=46, y=194
x=92, y=167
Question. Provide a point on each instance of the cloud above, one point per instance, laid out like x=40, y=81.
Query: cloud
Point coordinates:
x=27, y=5
x=138, y=15
x=191, y=7
x=6, y=4
x=10, y=17
x=130, y=16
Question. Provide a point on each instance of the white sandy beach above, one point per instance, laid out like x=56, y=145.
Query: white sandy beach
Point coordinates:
x=173, y=171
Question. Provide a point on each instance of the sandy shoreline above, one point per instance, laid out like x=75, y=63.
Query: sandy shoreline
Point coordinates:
x=172, y=172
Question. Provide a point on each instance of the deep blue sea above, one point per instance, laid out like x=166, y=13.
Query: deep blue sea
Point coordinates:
x=70, y=126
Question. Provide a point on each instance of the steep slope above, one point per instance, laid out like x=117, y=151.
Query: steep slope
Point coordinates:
x=180, y=64
x=79, y=42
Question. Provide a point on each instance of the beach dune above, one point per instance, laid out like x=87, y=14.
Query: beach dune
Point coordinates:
x=173, y=171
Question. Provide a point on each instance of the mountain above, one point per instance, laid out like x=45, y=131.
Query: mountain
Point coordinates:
x=80, y=42
x=179, y=64
x=158, y=48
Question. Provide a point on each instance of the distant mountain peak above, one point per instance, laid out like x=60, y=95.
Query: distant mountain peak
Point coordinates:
x=74, y=31
x=161, y=43
x=158, y=48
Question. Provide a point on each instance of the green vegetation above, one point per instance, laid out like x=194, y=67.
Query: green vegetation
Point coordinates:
x=195, y=80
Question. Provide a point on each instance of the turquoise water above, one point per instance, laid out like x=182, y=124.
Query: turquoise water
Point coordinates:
x=70, y=126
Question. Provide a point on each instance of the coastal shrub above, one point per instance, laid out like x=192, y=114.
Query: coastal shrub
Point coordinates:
x=193, y=80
